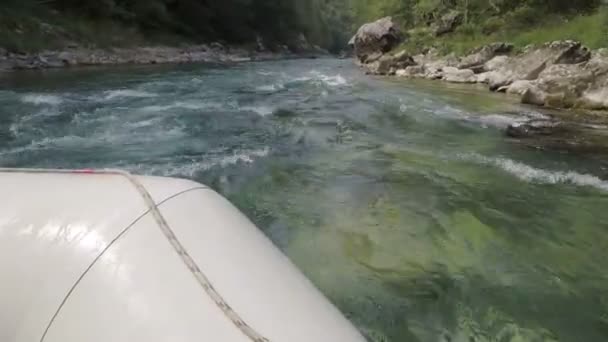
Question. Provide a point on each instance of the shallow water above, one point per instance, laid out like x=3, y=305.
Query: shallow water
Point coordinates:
x=403, y=201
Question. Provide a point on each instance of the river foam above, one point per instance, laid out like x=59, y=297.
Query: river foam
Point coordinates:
x=122, y=93
x=41, y=99
x=191, y=169
x=188, y=105
x=260, y=110
x=271, y=88
x=529, y=173
x=320, y=78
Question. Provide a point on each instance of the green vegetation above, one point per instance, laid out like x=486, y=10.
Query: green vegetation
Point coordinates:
x=29, y=25
x=521, y=22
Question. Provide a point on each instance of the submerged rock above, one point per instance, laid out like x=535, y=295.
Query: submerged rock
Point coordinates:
x=561, y=136
x=374, y=39
x=533, y=128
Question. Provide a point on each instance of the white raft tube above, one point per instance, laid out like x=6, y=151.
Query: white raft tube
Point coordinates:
x=104, y=256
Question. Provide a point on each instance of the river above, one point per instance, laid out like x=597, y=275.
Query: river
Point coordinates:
x=402, y=201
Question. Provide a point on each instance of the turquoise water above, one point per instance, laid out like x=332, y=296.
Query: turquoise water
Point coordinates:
x=402, y=201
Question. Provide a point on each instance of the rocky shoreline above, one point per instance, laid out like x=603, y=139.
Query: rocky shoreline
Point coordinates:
x=556, y=75
x=78, y=57
x=561, y=74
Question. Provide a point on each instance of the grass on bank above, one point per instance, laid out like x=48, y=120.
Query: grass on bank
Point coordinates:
x=590, y=29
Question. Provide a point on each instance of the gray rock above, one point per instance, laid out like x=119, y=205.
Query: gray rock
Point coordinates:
x=518, y=87
x=455, y=75
x=560, y=86
x=376, y=38
x=496, y=63
x=594, y=99
x=533, y=128
x=530, y=64
x=533, y=96
x=412, y=71
x=484, y=54
x=389, y=64
x=485, y=77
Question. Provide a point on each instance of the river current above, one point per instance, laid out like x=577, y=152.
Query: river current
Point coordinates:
x=403, y=201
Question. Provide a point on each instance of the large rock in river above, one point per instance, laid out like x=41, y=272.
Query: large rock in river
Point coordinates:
x=375, y=39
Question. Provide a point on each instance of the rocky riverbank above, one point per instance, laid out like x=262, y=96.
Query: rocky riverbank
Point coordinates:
x=555, y=75
x=74, y=57
x=561, y=74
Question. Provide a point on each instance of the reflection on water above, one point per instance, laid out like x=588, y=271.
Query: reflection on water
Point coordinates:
x=402, y=201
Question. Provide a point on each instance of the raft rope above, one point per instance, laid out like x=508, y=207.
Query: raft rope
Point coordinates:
x=200, y=277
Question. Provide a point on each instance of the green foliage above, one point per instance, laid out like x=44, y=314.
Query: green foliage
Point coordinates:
x=328, y=23
x=522, y=17
x=590, y=29
x=324, y=22
x=521, y=22
x=493, y=25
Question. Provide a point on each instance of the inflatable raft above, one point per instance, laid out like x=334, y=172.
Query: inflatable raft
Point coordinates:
x=104, y=256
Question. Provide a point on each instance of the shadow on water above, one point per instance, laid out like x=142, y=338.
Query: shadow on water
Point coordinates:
x=402, y=201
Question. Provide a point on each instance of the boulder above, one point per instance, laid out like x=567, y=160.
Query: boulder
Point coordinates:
x=375, y=39
x=496, y=63
x=595, y=97
x=412, y=71
x=530, y=64
x=518, y=87
x=455, y=75
x=533, y=96
x=389, y=64
x=560, y=85
x=485, y=77
x=479, y=57
x=448, y=23
x=598, y=63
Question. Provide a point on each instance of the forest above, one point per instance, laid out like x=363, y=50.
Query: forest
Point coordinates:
x=328, y=23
